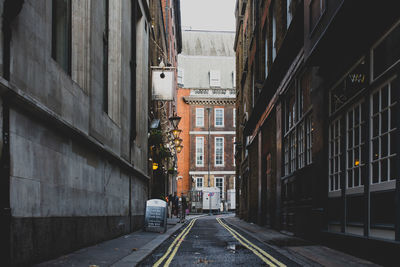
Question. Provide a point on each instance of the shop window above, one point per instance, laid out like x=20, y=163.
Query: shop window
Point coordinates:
x=334, y=155
x=355, y=141
x=382, y=136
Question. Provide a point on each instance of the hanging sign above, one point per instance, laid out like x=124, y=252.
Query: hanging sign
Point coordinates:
x=163, y=84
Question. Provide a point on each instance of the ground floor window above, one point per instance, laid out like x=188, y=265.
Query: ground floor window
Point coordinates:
x=219, y=182
x=334, y=155
x=199, y=182
x=355, y=141
x=382, y=127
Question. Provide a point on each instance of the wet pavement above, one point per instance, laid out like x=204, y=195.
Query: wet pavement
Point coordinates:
x=210, y=240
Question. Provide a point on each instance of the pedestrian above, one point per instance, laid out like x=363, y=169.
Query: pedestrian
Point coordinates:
x=175, y=203
x=169, y=206
x=184, y=207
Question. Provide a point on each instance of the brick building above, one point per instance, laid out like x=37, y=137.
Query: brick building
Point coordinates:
x=317, y=154
x=206, y=102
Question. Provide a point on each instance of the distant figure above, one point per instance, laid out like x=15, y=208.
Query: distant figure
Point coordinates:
x=184, y=207
x=175, y=205
x=169, y=206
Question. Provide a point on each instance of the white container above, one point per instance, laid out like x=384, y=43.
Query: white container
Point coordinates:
x=231, y=199
x=211, y=194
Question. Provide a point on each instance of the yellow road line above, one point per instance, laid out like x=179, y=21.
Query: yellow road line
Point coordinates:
x=267, y=258
x=173, y=244
x=167, y=263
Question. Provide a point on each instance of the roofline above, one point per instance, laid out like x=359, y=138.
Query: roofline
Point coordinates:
x=200, y=30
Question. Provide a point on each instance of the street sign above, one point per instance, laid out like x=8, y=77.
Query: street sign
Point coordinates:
x=156, y=216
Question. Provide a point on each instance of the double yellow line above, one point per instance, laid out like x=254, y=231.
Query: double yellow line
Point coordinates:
x=175, y=245
x=264, y=256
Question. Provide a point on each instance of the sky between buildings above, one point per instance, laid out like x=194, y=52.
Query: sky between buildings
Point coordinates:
x=208, y=14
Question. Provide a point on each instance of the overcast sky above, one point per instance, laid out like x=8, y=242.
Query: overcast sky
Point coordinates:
x=208, y=14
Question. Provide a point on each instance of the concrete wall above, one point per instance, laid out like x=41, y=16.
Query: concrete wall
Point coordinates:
x=75, y=179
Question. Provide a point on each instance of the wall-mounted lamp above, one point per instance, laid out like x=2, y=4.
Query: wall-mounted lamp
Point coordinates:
x=179, y=148
x=155, y=166
x=175, y=121
x=177, y=142
x=175, y=133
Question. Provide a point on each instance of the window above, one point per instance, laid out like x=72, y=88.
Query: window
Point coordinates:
x=292, y=151
x=215, y=78
x=181, y=77
x=199, y=117
x=273, y=36
x=199, y=182
x=334, y=155
x=301, y=146
x=382, y=138
x=199, y=151
x=266, y=54
x=234, y=117
x=219, y=151
x=61, y=34
x=317, y=8
x=309, y=130
x=387, y=52
x=219, y=117
x=234, y=151
x=219, y=182
x=354, y=145
x=286, y=156
x=297, y=147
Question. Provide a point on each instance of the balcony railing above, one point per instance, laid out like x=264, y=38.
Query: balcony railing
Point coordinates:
x=214, y=92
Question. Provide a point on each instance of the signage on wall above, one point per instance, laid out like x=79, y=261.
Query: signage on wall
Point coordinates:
x=350, y=85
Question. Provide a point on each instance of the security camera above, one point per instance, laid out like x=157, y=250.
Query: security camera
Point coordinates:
x=162, y=75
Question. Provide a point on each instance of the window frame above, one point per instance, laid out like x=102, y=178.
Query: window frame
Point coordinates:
x=198, y=138
x=197, y=179
x=389, y=183
x=359, y=146
x=223, y=186
x=54, y=41
x=222, y=150
x=295, y=158
x=199, y=119
x=222, y=118
x=234, y=117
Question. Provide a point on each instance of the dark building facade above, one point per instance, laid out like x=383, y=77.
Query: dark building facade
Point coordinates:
x=75, y=106
x=316, y=105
